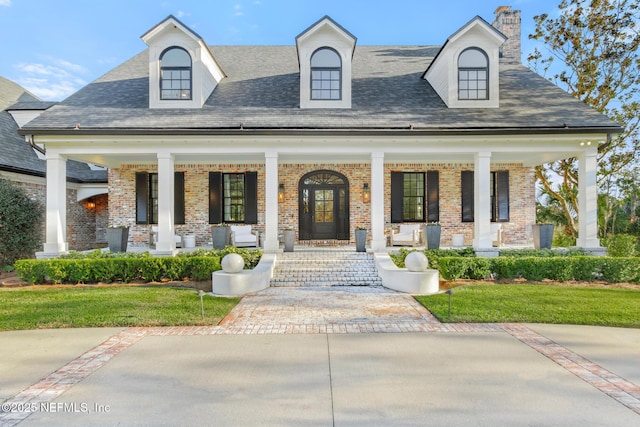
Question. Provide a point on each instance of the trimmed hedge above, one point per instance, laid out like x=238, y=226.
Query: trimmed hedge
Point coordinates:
x=580, y=268
x=109, y=270
x=529, y=264
x=109, y=267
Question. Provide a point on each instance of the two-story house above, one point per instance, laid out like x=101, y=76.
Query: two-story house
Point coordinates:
x=322, y=136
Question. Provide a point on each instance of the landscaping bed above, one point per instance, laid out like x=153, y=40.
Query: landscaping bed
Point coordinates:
x=530, y=265
x=134, y=267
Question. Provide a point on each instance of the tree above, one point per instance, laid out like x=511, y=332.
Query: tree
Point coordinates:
x=596, y=45
x=19, y=224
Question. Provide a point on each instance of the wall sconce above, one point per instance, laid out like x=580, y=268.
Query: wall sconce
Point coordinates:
x=280, y=193
x=366, y=193
x=91, y=204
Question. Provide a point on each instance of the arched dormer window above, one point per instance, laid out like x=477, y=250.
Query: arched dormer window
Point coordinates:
x=326, y=74
x=473, y=74
x=175, y=74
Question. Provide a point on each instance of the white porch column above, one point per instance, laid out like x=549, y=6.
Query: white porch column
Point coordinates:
x=56, y=216
x=482, y=200
x=378, y=240
x=588, y=199
x=166, y=182
x=271, y=202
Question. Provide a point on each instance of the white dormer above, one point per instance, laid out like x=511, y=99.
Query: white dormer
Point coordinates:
x=325, y=51
x=182, y=69
x=465, y=73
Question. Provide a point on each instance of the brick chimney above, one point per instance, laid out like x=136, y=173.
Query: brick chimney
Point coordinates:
x=507, y=21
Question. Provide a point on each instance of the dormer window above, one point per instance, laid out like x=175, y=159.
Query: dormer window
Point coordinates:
x=473, y=74
x=326, y=74
x=175, y=74
x=325, y=53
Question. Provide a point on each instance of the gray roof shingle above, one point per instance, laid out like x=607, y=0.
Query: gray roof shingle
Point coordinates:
x=261, y=91
x=16, y=155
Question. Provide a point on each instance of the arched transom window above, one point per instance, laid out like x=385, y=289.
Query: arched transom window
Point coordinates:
x=473, y=74
x=175, y=74
x=326, y=74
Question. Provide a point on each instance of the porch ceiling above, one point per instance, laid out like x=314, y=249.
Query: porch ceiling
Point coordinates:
x=529, y=150
x=526, y=158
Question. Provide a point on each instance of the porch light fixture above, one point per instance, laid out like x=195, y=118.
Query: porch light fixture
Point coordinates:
x=280, y=193
x=366, y=193
x=91, y=204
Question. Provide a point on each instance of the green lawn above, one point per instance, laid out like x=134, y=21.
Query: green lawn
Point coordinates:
x=81, y=307
x=538, y=304
x=77, y=307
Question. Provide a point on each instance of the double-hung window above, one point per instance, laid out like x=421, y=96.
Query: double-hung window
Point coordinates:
x=233, y=197
x=147, y=191
x=175, y=74
x=473, y=75
x=415, y=196
x=499, y=196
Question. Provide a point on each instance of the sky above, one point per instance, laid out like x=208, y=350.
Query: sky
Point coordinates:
x=54, y=47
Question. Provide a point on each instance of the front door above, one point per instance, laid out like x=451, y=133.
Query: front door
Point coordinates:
x=323, y=225
x=324, y=212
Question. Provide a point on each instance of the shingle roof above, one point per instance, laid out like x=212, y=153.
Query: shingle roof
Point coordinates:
x=261, y=91
x=16, y=155
x=11, y=92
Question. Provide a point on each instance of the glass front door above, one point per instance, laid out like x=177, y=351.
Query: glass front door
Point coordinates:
x=324, y=204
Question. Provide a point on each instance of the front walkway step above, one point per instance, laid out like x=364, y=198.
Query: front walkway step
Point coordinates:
x=325, y=267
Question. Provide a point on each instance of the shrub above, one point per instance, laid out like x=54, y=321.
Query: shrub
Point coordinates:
x=474, y=268
x=19, y=224
x=433, y=255
x=621, y=270
x=541, y=252
x=621, y=245
x=108, y=267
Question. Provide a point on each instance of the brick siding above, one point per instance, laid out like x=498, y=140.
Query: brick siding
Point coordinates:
x=516, y=231
x=86, y=227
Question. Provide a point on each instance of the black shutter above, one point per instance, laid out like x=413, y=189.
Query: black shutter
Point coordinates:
x=433, y=196
x=178, y=197
x=502, y=196
x=215, y=197
x=142, y=198
x=467, y=196
x=397, y=196
x=251, y=197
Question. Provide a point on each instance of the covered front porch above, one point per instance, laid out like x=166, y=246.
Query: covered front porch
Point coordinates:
x=280, y=164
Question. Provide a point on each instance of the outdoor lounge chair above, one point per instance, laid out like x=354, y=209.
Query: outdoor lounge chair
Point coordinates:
x=407, y=235
x=496, y=234
x=241, y=235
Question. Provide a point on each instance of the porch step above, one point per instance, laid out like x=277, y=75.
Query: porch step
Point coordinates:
x=309, y=267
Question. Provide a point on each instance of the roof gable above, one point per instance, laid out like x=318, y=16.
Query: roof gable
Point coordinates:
x=442, y=72
x=478, y=24
x=170, y=22
x=205, y=70
x=327, y=27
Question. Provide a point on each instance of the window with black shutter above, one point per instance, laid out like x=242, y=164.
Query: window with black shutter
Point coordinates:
x=500, y=196
x=147, y=198
x=499, y=186
x=410, y=196
x=467, y=196
x=233, y=197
